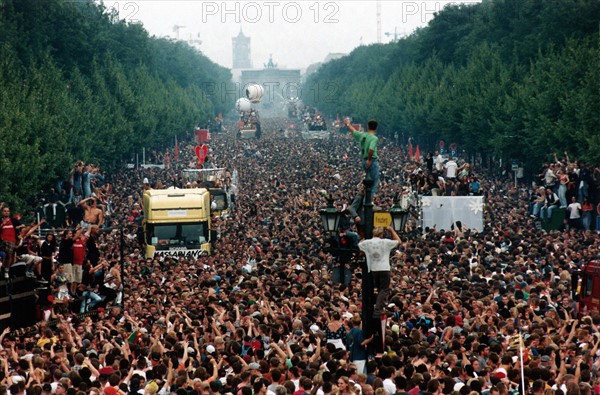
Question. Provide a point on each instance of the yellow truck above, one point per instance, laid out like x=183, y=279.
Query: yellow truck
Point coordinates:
x=177, y=223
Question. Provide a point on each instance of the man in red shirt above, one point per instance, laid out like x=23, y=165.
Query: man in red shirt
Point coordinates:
x=79, y=257
x=9, y=229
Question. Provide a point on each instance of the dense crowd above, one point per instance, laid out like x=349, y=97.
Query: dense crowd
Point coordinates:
x=566, y=185
x=262, y=315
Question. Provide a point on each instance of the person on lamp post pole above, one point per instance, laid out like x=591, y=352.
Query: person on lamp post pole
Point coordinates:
x=377, y=251
x=342, y=246
x=368, y=149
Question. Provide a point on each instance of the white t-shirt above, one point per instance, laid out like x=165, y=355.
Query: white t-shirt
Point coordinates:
x=574, y=210
x=451, y=167
x=439, y=162
x=378, y=253
x=549, y=177
x=389, y=386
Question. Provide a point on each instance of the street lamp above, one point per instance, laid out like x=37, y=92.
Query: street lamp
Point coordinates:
x=399, y=216
x=330, y=216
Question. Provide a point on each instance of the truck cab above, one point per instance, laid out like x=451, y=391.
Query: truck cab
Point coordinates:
x=177, y=223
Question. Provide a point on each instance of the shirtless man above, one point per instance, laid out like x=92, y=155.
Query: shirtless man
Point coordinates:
x=93, y=215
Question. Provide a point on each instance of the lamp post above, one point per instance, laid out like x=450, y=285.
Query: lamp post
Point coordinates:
x=399, y=216
x=368, y=291
x=330, y=216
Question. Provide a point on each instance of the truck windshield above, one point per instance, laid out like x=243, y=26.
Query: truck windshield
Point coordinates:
x=181, y=234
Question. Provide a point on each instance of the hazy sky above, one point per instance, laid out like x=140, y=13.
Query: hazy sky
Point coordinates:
x=297, y=33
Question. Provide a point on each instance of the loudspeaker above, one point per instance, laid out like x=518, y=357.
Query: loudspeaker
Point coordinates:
x=17, y=302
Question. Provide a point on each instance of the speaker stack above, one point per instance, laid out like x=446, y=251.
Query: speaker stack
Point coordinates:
x=17, y=302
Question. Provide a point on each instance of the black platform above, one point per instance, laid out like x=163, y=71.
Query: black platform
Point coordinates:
x=17, y=302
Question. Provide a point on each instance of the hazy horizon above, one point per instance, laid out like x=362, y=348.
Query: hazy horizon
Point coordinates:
x=296, y=33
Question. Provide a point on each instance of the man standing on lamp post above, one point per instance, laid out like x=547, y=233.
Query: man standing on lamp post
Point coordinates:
x=368, y=149
x=377, y=251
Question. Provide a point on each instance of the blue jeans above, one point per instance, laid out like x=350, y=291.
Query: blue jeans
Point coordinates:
x=586, y=220
x=373, y=171
x=537, y=206
x=87, y=183
x=583, y=191
x=341, y=275
x=353, y=236
x=90, y=299
x=562, y=195
x=546, y=213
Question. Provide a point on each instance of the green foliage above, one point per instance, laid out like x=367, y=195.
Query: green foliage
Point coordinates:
x=77, y=83
x=518, y=79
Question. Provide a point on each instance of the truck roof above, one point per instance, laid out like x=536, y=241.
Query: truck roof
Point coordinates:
x=171, y=192
x=165, y=205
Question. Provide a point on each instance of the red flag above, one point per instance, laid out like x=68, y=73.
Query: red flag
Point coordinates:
x=410, y=151
x=345, y=156
x=176, y=155
x=417, y=154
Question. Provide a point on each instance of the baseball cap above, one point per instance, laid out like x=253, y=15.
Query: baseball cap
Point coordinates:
x=210, y=349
